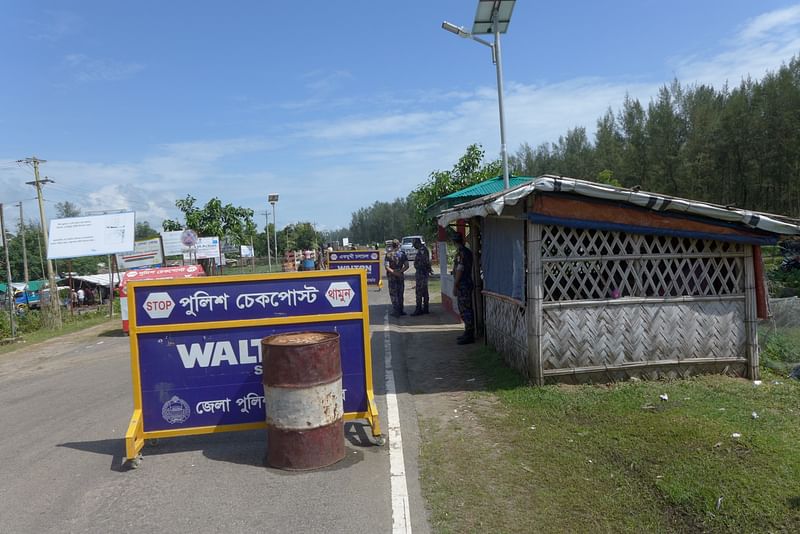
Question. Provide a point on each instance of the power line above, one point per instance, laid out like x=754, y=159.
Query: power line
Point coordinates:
x=70, y=190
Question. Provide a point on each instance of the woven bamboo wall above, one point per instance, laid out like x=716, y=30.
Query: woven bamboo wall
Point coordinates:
x=616, y=305
x=670, y=337
x=507, y=330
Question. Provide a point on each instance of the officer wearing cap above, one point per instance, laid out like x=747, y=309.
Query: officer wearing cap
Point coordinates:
x=396, y=264
x=462, y=288
x=422, y=271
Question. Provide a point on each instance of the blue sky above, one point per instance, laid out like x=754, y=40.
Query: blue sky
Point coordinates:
x=333, y=105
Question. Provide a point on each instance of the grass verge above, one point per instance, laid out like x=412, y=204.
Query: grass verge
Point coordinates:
x=71, y=324
x=616, y=458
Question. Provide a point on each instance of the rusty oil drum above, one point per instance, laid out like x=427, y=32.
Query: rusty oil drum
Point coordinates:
x=303, y=396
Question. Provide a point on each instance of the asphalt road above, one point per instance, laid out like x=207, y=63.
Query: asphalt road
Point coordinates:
x=64, y=409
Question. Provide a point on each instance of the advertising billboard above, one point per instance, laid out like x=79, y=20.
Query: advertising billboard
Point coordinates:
x=94, y=235
x=146, y=253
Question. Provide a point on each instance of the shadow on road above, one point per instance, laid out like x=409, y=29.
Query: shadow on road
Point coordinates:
x=244, y=448
x=117, y=332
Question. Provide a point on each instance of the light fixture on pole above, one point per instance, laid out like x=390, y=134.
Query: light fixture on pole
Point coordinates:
x=273, y=199
x=492, y=16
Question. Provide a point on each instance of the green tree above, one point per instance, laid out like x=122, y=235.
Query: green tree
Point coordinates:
x=214, y=219
x=738, y=146
x=33, y=241
x=575, y=154
x=534, y=162
x=665, y=138
x=470, y=169
x=608, y=144
x=67, y=209
x=633, y=120
x=381, y=221
x=145, y=231
x=298, y=236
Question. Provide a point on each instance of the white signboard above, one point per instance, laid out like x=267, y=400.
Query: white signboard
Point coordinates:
x=172, y=243
x=76, y=237
x=246, y=251
x=207, y=248
x=146, y=253
x=345, y=241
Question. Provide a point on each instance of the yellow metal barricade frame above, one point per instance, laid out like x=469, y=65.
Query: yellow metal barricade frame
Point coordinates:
x=135, y=436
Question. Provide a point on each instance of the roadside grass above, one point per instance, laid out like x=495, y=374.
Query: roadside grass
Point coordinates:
x=616, y=458
x=249, y=269
x=780, y=348
x=70, y=324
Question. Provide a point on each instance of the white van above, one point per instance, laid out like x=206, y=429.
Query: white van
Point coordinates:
x=407, y=246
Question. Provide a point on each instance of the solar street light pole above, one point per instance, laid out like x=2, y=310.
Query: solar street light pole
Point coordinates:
x=498, y=62
x=489, y=11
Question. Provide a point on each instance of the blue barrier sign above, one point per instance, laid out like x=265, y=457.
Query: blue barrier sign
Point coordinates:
x=367, y=260
x=196, y=357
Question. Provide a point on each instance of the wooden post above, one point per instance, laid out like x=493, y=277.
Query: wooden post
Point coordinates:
x=535, y=370
x=9, y=288
x=477, y=295
x=762, y=309
x=750, y=314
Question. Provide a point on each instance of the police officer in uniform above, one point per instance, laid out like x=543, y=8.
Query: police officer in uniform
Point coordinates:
x=462, y=288
x=396, y=265
x=422, y=268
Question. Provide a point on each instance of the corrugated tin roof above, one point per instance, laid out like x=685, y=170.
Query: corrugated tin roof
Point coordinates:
x=487, y=187
x=493, y=204
x=33, y=285
x=98, y=279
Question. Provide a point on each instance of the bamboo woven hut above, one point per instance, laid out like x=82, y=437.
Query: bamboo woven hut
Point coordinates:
x=582, y=282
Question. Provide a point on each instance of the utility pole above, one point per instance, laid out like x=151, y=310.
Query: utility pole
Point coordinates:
x=269, y=250
x=24, y=247
x=55, y=307
x=9, y=288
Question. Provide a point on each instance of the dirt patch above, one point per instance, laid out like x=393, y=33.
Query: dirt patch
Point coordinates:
x=445, y=384
x=59, y=351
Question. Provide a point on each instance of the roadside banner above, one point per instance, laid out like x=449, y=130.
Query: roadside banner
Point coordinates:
x=196, y=347
x=146, y=253
x=172, y=243
x=368, y=261
x=206, y=248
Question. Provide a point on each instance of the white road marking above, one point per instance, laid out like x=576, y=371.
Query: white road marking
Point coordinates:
x=401, y=515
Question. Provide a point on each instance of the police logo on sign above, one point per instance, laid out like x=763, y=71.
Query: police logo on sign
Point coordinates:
x=175, y=411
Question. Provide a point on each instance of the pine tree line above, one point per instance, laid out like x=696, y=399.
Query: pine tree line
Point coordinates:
x=737, y=146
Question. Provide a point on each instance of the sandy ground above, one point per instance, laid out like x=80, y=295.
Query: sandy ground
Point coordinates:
x=440, y=374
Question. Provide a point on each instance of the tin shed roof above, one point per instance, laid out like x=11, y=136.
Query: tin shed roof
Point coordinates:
x=487, y=187
x=494, y=204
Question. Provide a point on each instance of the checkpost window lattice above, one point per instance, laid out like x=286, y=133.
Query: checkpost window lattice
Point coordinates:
x=587, y=264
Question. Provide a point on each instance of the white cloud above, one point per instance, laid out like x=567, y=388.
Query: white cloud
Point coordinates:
x=761, y=45
x=54, y=25
x=86, y=69
x=770, y=23
x=326, y=81
x=325, y=170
